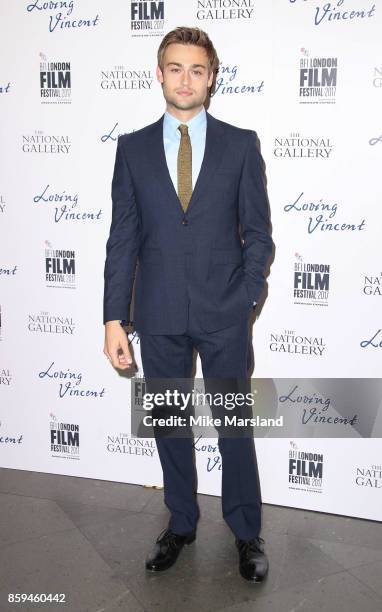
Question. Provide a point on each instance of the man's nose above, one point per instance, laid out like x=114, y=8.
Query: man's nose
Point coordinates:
x=186, y=78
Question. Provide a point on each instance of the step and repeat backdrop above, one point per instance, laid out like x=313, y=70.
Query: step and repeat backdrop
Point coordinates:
x=307, y=76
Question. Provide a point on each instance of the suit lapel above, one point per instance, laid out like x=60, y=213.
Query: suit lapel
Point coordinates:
x=212, y=155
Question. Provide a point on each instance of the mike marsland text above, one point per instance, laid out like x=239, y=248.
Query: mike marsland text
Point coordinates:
x=209, y=421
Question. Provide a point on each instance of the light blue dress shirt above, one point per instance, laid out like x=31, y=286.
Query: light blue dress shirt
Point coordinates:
x=171, y=139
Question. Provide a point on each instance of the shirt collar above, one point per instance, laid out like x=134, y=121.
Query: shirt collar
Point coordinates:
x=171, y=123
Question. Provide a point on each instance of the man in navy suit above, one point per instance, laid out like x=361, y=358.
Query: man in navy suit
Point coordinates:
x=190, y=207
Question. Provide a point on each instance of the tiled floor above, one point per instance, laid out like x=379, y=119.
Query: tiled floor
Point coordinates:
x=89, y=538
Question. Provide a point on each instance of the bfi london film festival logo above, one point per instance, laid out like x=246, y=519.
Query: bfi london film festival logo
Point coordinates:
x=310, y=283
x=61, y=15
x=55, y=81
x=338, y=12
x=296, y=146
x=372, y=284
x=122, y=78
x=296, y=344
x=50, y=144
x=45, y=322
x=64, y=438
x=146, y=18
x=305, y=470
x=225, y=9
x=317, y=79
x=370, y=477
x=60, y=267
x=138, y=391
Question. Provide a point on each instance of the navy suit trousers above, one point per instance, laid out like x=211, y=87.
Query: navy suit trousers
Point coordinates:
x=223, y=353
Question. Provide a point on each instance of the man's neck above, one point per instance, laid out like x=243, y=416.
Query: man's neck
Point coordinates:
x=183, y=115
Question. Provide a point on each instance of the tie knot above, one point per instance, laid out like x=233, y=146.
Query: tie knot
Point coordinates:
x=183, y=128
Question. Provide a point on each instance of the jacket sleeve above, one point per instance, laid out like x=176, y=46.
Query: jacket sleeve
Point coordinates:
x=123, y=243
x=254, y=219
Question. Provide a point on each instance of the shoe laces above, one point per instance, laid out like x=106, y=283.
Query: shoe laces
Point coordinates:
x=254, y=545
x=167, y=537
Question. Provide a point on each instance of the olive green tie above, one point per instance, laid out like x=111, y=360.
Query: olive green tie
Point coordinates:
x=184, y=167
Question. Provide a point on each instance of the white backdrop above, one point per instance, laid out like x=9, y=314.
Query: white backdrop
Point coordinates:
x=307, y=76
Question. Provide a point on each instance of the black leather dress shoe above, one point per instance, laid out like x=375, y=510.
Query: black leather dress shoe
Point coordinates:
x=167, y=548
x=253, y=562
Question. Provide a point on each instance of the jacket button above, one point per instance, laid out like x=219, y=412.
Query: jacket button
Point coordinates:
x=185, y=222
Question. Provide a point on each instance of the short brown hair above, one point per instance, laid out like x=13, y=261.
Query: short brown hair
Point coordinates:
x=191, y=36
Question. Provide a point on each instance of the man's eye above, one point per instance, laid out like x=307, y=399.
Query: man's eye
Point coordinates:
x=174, y=69
x=197, y=72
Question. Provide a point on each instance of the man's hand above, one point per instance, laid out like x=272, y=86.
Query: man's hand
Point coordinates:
x=116, y=346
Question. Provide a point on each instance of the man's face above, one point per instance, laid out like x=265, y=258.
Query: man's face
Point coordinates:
x=185, y=78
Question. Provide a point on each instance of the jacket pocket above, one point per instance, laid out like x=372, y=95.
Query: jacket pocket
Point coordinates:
x=226, y=256
x=151, y=256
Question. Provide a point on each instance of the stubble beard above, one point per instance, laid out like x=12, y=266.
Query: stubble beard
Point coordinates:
x=179, y=104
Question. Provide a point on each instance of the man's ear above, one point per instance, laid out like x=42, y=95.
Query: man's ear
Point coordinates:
x=210, y=79
x=159, y=74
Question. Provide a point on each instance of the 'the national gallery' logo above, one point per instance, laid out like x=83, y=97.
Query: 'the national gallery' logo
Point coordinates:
x=372, y=284
x=39, y=142
x=370, y=476
x=122, y=78
x=225, y=9
x=296, y=146
x=296, y=344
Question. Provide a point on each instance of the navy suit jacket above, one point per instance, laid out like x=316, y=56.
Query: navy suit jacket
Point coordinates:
x=215, y=254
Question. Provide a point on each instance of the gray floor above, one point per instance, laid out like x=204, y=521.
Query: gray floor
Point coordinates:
x=89, y=538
